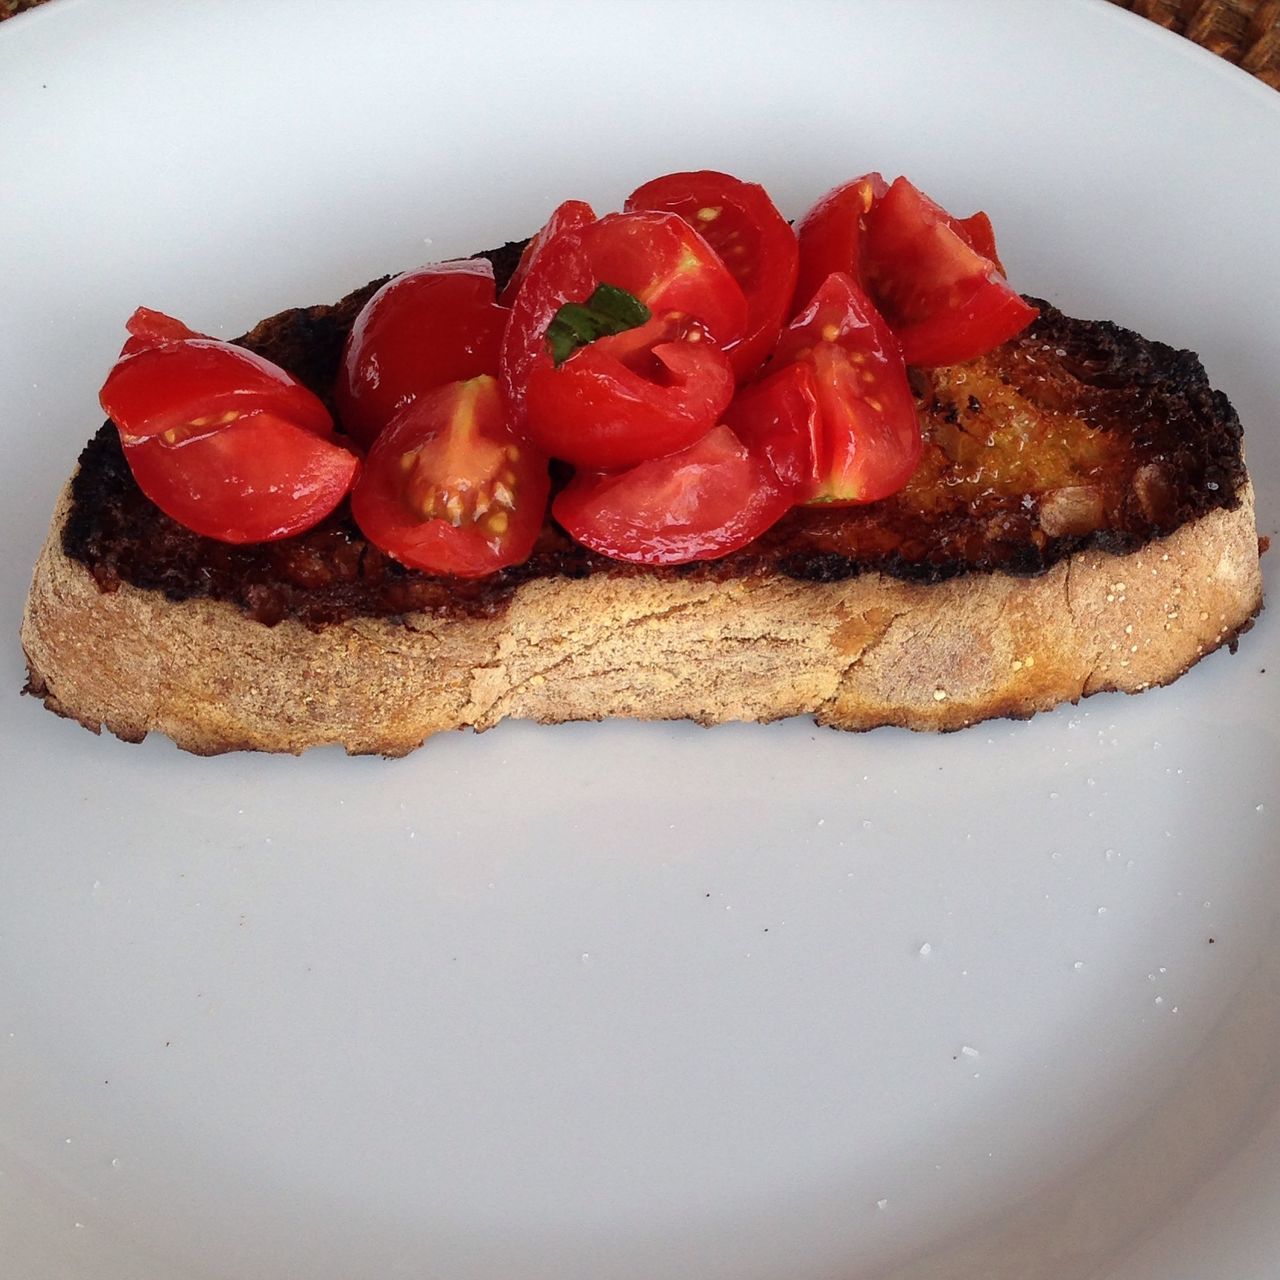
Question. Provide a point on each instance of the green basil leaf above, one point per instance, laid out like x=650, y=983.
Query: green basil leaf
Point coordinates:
x=609, y=310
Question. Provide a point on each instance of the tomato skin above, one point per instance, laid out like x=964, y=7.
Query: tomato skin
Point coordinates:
x=449, y=488
x=148, y=328
x=656, y=257
x=742, y=224
x=946, y=301
x=221, y=440
x=779, y=420
x=868, y=442
x=832, y=234
x=422, y=329
x=660, y=259
x=572, y=215
x=978, y=233
x=195, y=386
x=560, y=273
x=699, y=504
x=257, y=479
x=621, y=399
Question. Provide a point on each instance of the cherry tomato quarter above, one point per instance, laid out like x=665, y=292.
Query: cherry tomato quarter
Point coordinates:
x=868, y=441
x=424, y=328
x=832, y=234
x=754, y=241
x=698, y=504
x=946, y=301
x=257, y=479
x=448, y=488
x=572, y=215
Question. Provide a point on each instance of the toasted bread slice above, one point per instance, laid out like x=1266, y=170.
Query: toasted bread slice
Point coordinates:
x=1082, y=521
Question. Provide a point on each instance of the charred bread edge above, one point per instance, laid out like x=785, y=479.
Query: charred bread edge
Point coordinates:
x=856, y=654
x=1128, y=384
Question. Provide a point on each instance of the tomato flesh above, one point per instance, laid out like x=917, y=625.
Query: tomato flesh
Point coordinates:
x=257, y=479
x=742, y=224
x=449, y=488
x=424, y=328
x=946, y=301
x=635, y=395
x=868, y=439
x=698, y=504
x=832, y=234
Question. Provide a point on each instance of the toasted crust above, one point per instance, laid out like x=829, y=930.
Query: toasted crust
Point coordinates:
x=856, y=654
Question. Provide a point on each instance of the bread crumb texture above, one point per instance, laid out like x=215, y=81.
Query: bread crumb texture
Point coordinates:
x=856, y=654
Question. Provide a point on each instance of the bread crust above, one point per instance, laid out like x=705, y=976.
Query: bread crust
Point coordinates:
x=856, y=654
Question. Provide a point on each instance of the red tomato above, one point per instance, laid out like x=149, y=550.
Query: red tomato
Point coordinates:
x=779, y=420
x=979, y=235
x=660, y=259
x=868, y=442
x=149, y=328
x=698, y=504
x=656, y=257
x=449, y=488
x=425, y=328
x=832, y=233
x=190, y=387
x=945, y=301
x=223, y=441
x=634, y=395
x=570, y=216
x=739, y=221
x=259, y=478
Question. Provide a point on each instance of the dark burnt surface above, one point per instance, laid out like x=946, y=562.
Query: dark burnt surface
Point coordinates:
x=1077, y=434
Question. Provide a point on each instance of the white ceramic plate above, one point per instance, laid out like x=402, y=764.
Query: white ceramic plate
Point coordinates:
x=632, y=1000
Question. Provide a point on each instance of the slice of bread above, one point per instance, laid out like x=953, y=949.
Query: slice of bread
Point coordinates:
x=1082, y=521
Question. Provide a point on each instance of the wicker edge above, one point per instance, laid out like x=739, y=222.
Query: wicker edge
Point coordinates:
x=1246, y=32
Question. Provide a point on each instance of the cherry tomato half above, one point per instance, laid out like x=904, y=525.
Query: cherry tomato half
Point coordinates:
x=260, y=478
x=656, y=257
x=698, y=504
x=634, y=395
x=223, y=441
x=945, y=301
x=739, y=221
x=448, y=487
x=424, y=328
x=569, y=216
x=192, y=386
x=832, y=233
x=868, y=441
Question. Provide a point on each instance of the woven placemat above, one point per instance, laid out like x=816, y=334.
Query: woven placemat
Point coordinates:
x=1246, y=32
